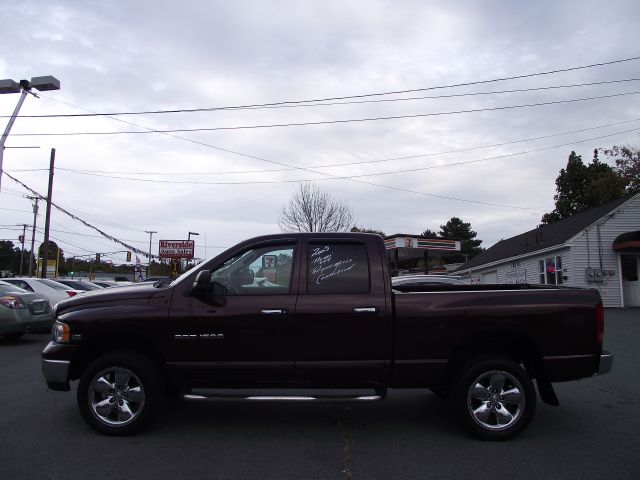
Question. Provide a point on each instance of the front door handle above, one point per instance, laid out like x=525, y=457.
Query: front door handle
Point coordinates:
x=365, y=310
x=274, y=311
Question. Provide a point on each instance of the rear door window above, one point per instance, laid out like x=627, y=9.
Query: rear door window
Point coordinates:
x=337, y=268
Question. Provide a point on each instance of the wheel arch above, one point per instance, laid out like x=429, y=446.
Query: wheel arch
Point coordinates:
x=103, y=344
x=515, y=346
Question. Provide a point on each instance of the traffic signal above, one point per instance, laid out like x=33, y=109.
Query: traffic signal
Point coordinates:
x=97, y=258
x=128, y=256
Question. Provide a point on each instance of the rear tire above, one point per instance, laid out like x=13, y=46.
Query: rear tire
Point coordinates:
x=494, y=397
x=119, y=392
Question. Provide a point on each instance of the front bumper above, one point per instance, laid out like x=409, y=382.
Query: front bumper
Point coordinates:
x=56, y=374
x=606, y=363
x=56, y=365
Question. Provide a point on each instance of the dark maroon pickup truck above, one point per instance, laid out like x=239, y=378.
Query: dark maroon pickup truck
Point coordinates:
x=316, y=313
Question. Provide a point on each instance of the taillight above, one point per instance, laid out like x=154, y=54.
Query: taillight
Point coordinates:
x=11, y=301
x=71, y=293
x=599, y=323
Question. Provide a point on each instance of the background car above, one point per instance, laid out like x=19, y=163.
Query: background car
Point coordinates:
x=155, y=279
x=54, y=291
x=79, y=284
x=105, y=283
x=23, y=312
x=426, y=280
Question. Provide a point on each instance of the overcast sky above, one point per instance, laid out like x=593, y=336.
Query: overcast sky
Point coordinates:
x=117, y=56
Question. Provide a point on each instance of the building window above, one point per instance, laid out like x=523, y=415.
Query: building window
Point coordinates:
x=551, y=271
x=629, y=268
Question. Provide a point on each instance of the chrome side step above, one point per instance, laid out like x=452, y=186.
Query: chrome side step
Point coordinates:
x=210, y=394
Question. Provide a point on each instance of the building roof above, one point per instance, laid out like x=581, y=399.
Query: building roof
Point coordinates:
x=544, y=236
x=413, y=235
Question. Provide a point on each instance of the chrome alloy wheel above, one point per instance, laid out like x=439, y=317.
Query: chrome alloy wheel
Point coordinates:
x=116, y=396
x=496, y=400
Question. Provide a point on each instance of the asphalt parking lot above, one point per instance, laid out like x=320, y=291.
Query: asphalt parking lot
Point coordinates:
x=412, y=435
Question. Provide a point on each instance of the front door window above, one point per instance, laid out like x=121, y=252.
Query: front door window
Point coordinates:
x=258, y=271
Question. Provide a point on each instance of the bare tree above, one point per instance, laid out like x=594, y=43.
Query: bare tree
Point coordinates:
x=312, y=209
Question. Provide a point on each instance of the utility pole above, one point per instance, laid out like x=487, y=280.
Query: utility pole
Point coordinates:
x=150, y=232
x=45, y=252
x=33, y=233
x=24, y=230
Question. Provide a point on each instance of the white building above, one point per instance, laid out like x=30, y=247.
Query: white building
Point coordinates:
x=598, y=248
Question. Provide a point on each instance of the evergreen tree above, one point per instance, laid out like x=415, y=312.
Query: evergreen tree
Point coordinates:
x=456, y=228
x=428, y=233
x=580, y=187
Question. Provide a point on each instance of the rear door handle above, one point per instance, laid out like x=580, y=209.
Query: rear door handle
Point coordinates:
x=365, y=310
x=274, y=311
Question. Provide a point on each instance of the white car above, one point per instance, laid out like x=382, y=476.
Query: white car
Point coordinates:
x=54, y=291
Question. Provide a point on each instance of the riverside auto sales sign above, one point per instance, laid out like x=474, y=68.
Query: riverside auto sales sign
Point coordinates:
x=177, y=249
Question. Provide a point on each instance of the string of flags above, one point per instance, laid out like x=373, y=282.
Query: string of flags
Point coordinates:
x=84, y=222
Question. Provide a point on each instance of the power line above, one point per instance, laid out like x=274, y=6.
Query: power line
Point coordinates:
x=395, y=92
x=325, y=104
x=59, y=240
x=9, y=191
x=275, y=162
x=94, y=236
x=328, y=122
x=348, y=177
x=13, y=209
x=406, y=157
x=84, y=222
x=136, y=250
x=101, y=220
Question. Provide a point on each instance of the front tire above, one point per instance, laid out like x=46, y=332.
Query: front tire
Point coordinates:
x=119, y=392
x=494, y=397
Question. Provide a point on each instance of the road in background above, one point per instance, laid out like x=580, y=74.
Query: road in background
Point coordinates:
x=411, y=435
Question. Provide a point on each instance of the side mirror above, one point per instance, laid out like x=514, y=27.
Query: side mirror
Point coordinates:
x=207, y=291
x=203, y=279
x=201, y=283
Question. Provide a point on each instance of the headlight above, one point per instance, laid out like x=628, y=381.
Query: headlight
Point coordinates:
x=61, y=332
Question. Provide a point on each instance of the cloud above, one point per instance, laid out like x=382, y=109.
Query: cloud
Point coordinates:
x=117, y=56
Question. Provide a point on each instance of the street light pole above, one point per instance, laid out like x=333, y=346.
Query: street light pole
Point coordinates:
x=150, y=232
x=42, y=84
x=23, y=95
x=186, y=263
